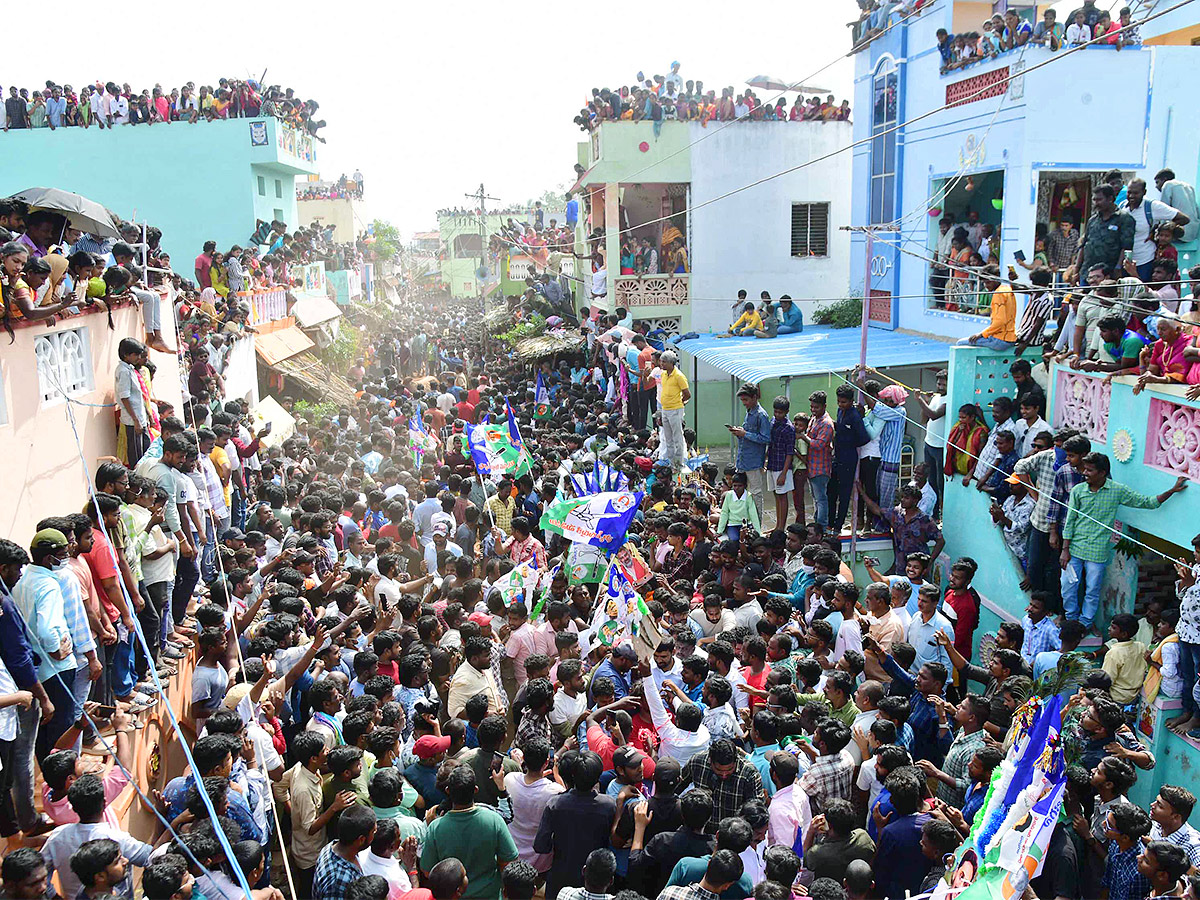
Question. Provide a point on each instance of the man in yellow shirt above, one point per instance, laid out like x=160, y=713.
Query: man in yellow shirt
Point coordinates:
x=1001, y=333
x=675, y=393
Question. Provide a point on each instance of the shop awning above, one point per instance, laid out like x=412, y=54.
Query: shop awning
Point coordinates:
x=313, y=309
x=273, y=346
x=819, y=348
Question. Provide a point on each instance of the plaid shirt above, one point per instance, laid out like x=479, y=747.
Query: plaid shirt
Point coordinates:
x=1121, y=875
x=1064, y=480
x=1185, y=836
x=820, y=447
x=783, y=444
x=333, y=875
x=680, y=892
x=728, y=793
x=1039, y=471
x=910, y=536
x=958, y=759
x=532, y=726
x=1092, y=514
x=578, y=893
x=1039, y=638
x=829, y=778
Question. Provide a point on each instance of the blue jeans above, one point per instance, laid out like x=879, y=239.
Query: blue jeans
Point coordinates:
x=820, y=492
x=1092, y=573
x=28, y=721
x=208, y=557
x=80, y=690
x=787, y=329
x=1189, y=665
x=988, y=343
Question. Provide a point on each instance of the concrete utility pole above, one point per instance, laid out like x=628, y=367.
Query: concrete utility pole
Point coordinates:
x=481, y=197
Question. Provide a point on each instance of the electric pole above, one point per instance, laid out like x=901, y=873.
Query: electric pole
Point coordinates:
x=481, y=197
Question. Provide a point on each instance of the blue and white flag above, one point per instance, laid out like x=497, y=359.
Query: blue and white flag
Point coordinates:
x=541, y=398
x=514, y=433
x=494, y=452
x=599, y=519
x=605, y=478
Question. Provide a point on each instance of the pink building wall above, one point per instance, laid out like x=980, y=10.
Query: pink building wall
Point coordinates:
x=40, y=472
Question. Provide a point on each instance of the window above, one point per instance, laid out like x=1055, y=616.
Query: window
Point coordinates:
x=277, y=214
x=64, y=364
x=883, y=142
x=278, y=188
x=468, y=246
x=262, y=186
x=810, y=229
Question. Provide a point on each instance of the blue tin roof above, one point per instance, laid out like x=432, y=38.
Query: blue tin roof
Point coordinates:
x=819, y=348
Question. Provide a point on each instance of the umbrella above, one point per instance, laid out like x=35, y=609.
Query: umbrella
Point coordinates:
x=81, y=213
x=770, y=83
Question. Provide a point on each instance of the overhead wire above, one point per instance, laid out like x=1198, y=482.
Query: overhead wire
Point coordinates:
x=794, y=86
x=1056, y=57
x=994, y=468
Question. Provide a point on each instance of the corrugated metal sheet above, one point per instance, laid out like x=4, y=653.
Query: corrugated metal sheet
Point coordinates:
x=819, y=348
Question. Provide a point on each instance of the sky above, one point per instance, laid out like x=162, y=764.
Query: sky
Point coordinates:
x=430, y=99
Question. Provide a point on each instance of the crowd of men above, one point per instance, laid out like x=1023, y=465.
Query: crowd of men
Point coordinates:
x=107, y=104
x=665, y=98
x=380, y=708
x=345, y=188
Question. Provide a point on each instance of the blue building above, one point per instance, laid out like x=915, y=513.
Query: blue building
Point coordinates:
x=1025, y=137
x=207, y=181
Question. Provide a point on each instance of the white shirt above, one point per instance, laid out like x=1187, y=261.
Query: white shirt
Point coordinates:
x=119, y=108
x=567, y=709
x=1144, y=247
x=928, y=500
x=446, y=402
x=388, y=867
x=674, y=674
x=431, y=554
x=676, y=743
x=867, y=781
x=935, y=429
x=1078, y=34
x=849, y=637
x=1025, y=447
x=790, y=814
x=389, y=589
x=862, y=722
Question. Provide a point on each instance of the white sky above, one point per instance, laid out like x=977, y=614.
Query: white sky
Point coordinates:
x=429, y=99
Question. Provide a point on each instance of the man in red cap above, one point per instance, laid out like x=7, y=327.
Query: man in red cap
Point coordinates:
x=430, y=750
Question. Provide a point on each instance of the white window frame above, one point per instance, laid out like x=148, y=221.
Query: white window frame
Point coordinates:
x=63, y=360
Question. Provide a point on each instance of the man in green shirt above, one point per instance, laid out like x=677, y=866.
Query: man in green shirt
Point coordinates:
x=1109, y=231
x=838, y=694
x=474, y=835
x=1087, y=546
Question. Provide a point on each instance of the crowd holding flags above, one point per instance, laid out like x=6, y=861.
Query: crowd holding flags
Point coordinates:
x=598, y=519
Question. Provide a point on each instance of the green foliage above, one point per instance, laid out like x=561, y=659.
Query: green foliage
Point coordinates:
x=846, y=313
x=387, y=241
x=531, y=327
x=344, y=350
x=314, y=412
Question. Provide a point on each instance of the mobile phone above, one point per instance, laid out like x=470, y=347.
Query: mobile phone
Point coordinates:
x=497, y=761
x=1128, y=256
x=1019, y=255
x=106, y=711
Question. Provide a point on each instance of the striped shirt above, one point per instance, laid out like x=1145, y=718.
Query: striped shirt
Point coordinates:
x=891, y=438
x=1038, y=311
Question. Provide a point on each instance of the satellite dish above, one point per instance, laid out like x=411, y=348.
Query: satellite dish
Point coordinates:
x=482, y=273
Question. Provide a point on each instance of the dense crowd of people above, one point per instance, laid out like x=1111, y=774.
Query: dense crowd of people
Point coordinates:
x=403, y=680
x=665, y=98
x=107, y=104
x=1008, y=31
x=350, y=188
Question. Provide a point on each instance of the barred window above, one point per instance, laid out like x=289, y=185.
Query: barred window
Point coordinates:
x=810, y=229
x=64, y=364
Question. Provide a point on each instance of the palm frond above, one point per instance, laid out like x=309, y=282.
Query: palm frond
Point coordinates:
x=1064, y=678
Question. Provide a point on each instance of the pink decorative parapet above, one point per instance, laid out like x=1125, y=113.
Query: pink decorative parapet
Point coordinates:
x=1081, y=402
x=1173, y=438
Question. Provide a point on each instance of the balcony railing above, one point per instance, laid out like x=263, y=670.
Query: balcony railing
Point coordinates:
x=651, y=290
x=1081, y=402
x=267, y=305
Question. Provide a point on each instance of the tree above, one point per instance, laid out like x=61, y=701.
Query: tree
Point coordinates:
x=387, y=240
